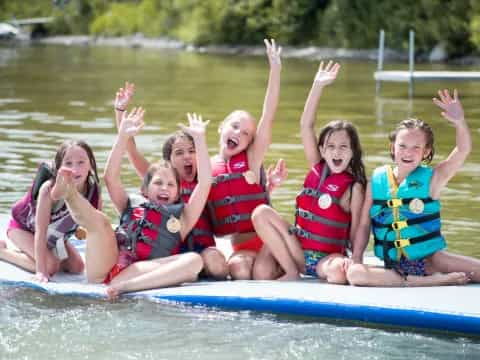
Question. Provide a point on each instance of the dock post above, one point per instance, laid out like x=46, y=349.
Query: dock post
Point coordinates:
x=411, y=61
x=381, y=45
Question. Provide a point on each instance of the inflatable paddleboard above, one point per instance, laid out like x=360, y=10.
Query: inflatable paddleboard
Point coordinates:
x=448, y=308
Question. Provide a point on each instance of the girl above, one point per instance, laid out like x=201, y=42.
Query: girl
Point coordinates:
x=239, y=186
x=329, y=204
x=138, y=254
x=402, y=207
x=40, y=226
x=179, y=149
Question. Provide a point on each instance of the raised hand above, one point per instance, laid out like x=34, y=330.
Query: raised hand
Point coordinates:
x=452, y=107
x=196, y=125
x=132, y=123
x=273, y=53
x=326, y=75
x=276, y=176
x=123, y=96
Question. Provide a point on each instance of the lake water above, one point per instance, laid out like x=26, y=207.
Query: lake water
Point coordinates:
x=50, y=93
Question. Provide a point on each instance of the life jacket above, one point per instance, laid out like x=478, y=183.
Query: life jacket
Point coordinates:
x=61, y=224
x=232, y=199
x=146, y=229
x=201, y=236
x=321, y=224
x=405, y=220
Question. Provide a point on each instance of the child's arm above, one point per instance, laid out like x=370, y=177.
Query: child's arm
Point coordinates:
x=356, y=203
x=324, y=77
x=122, y=99
x=196, y=203
x=362, y=235
x=263, y=137
x=129, y=126
x=42, y=220
x=276, y=176
x=445, y=170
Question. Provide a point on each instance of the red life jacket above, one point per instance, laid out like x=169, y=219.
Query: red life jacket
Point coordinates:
x=144, y=230
x=322, y=225
x=201, y=235
x=61, y=223
x=232, y=199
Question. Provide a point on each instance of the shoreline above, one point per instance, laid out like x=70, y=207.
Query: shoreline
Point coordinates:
x=308, y=52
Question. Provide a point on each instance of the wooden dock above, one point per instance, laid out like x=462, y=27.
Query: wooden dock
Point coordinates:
x=411, y=75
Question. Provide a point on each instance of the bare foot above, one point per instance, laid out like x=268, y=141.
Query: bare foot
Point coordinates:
x=63, y=183
x=453, y=278
x=289, y=277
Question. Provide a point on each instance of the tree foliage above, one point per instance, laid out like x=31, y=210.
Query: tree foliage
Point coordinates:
x=335, y=23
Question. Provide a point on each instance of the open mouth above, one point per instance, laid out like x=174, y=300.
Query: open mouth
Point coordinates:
x=232, y=143
x=188, y=169
x=162, y=198
x=337, y=162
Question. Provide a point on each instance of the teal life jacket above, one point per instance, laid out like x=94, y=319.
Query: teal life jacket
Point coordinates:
x=405, y=220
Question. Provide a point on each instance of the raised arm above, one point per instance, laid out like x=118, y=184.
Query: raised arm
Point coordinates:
x=453, y=112
x=263, y=137
x=196, y=203
x=362, y=234
x=122, y=100
x=325, y=76
x=129, y=126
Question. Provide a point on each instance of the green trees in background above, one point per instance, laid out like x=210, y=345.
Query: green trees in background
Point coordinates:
x=334, y=23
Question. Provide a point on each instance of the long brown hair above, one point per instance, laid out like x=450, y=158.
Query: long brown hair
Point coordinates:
x=67, y=144
x=356, y=166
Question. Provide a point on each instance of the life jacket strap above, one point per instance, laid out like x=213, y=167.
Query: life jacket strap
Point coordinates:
x=226, y=177
x=228, y=200
x=401, y=224
x=312, y=217
x=401, y=243
x=295, y=230
x=233, y=219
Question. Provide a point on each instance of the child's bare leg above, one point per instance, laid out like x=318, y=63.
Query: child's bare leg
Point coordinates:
x=445, y=262
x=240, y=264
x=332, y=269
x=101, y=252
x=74, y=263
x=215, y=264
x=364, y=275
x=273, y=230
x=157, y=273
x=17, y=258
x=23, y=257
x=266, y=266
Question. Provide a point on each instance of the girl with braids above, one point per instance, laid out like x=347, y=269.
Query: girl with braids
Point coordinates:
x=328, y=207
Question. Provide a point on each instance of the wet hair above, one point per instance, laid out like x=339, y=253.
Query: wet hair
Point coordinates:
x=67, y=144
x=413, y=123
x=153, y=168
x=168, y=144
x=356, y=166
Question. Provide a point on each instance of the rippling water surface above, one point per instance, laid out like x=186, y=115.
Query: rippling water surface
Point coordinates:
x=50, y=93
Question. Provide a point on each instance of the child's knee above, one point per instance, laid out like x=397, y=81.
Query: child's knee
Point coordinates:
x=264, y=271
x=240, y=267
x=334, y=271
x=261, y=213
x=357, y=275
x=215, y=264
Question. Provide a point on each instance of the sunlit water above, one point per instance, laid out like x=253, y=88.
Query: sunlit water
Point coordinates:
x=48, y=94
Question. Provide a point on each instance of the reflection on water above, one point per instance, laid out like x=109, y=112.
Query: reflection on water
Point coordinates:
x=50, y=93
x=36, y=326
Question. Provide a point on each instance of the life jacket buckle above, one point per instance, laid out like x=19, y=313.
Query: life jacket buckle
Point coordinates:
x=399, y=225
x=228, y=200
x=401, y=243
x=394, y=203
